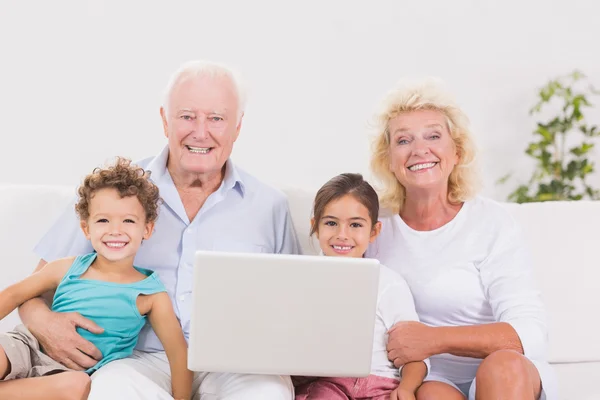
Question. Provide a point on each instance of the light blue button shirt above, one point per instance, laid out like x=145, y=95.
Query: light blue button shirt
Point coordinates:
x=243, y=214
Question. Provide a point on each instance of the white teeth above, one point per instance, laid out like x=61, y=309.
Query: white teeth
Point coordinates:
x=200, y=150
x=417, y=167
x=343, y=248
x=116, y=245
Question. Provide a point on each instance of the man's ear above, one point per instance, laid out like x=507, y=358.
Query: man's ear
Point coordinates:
x=238, y=128
x=85, y=228
x=163, y=116
x=375, y=231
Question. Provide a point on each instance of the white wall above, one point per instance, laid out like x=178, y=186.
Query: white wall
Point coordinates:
x=81, y=81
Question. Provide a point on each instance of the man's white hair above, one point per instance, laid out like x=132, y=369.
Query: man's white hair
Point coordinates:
x=200, y=68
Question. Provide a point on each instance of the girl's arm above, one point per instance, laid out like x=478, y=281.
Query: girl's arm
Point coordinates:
x=411, y=377
x=396, y=307
x=34, y=285
x=167, y=328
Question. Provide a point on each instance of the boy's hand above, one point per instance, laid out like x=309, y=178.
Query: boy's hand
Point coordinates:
x=402, y=394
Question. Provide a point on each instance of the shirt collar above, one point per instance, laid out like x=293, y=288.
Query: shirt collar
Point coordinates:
x=232, y=178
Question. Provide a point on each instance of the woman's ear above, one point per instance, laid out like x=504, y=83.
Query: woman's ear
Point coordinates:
x=375, y=231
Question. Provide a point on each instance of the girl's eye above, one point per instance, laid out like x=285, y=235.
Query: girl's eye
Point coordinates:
x=330, y=223
x=356, y=225
x=102, y=220
x=129, y=221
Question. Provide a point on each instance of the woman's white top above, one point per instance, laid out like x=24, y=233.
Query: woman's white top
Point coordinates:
x=474, y=270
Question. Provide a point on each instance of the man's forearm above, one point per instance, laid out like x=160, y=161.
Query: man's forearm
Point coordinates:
x=477, y=341
x=33, y=307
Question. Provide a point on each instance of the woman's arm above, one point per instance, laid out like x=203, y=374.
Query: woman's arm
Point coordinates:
x=42, y=281
x=167, y=328
x=508, y=284
x=477, y=341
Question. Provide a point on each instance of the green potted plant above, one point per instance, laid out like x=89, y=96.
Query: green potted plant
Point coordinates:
x=561, y=167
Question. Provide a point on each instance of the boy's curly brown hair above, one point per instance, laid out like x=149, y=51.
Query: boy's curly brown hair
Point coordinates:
x=127, y=179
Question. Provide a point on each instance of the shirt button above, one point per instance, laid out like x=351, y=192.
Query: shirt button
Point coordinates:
x=182, y=297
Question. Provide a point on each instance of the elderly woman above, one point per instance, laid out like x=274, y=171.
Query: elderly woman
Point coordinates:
x=482, y=320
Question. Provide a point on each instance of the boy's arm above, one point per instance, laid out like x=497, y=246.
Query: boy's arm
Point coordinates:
x=47, y=278
x=167, y=328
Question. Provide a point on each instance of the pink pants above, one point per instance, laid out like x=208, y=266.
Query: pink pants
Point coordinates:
x=372, y=387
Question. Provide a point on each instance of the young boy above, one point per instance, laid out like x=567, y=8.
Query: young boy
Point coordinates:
x=117, y=207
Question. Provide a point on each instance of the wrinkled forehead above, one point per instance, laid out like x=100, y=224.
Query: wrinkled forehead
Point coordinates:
x=418, y=119
x=203, y=93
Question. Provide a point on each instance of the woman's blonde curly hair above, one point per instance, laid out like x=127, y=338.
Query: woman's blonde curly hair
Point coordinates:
x=427, y=94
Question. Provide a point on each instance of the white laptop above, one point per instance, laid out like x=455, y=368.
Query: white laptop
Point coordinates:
x=283, y=314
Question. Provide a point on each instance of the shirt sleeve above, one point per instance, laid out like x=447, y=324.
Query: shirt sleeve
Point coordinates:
x=64, y=238
x=287, y=238
x=509, y=286
x=397, y=304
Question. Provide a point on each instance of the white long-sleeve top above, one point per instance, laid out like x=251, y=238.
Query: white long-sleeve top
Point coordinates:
x=473, y=270
x=394, y=304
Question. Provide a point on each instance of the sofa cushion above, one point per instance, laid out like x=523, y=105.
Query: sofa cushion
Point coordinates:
x=26, y=212
x=564, y=238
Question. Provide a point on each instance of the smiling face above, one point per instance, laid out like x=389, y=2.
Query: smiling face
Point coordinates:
x=346, y=229
x=201, y=124
x=422, y=151
x=116, y=226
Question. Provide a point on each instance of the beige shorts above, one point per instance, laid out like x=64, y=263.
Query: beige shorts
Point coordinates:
x=26, y=359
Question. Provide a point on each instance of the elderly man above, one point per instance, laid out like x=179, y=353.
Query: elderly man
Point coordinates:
x=209, y=204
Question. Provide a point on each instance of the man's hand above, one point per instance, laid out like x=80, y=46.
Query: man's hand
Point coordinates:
x=59, y=339
x=410, y=341
x=401, y=393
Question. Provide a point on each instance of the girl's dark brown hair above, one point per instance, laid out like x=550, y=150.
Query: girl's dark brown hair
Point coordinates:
x=340, y=186
x=127, y=179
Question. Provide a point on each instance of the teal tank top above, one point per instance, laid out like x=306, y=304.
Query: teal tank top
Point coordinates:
x=111, y=306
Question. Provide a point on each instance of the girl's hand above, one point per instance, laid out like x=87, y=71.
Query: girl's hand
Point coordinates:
x=402, y=394
x=410, y=341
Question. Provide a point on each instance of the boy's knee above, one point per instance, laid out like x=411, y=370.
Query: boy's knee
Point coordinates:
x=4, y=364
x=76, y=385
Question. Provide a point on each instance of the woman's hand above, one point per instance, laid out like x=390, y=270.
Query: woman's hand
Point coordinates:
x=401, y=393
x=411, y=341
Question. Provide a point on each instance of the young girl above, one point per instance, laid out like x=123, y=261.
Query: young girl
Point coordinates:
x=117, y=208
x=345, y=221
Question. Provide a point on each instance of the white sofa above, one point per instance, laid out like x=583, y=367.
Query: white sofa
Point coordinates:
x=564, y=239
